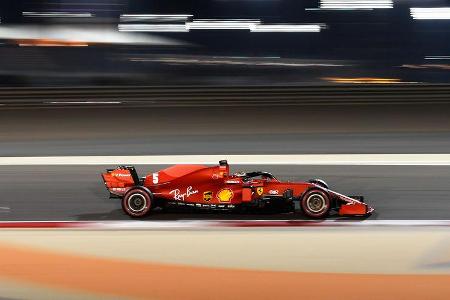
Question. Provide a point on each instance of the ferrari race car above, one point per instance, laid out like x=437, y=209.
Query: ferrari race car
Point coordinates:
x=214, y=188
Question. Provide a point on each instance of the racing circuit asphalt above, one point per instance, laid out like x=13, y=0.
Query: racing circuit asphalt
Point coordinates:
x=77, y=193
x=299, y=129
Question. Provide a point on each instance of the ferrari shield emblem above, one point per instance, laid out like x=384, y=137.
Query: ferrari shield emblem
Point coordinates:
x=207, y=196
x=260, y=190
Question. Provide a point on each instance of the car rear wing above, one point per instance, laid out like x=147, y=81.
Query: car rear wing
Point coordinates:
x=120, y=179
x=133, y=172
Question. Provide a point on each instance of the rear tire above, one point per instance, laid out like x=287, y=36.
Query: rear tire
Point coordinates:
x=137, y=203
x=316, y=204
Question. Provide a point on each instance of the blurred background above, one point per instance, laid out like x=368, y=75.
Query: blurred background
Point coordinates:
x=223, y=42
x=125, y=79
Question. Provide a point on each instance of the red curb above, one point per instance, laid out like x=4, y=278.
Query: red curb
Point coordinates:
x=44, y=224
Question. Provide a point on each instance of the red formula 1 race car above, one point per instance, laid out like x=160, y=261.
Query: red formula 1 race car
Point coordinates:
x=215, y=189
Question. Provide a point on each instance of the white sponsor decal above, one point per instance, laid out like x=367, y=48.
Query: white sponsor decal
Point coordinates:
x=155, y=178
x=121, y=175
x=232, y=181
x=177, y=195
x=273, y=192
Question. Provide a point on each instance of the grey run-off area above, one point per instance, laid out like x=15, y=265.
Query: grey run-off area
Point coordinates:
x=225, y=130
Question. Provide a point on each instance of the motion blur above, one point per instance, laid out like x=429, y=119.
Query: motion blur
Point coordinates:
x=346, y=102
x=211, y=42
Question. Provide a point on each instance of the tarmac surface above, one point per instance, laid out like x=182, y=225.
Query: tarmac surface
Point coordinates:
x=101, y=130
x=77, y=192
x=382, y=262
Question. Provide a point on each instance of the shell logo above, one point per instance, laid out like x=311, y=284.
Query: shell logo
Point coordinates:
x=225, y=195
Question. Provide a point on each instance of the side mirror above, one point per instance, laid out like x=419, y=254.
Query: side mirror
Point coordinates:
x=224, y=168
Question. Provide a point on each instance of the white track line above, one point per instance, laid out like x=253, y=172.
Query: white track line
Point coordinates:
x=155, y=225
x=294, y=159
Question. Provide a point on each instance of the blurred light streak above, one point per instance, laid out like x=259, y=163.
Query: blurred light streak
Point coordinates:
x=56, y=14
x=250, y=24
x=437, y=57
x=353, y=4
x=430, y=13
x=285, y=28
x=79, y=35
x=222, y=24
x=84, y=102
x=248, y=61
x=50, y=43
x=4, y=209
x=253, y=25
x=409, y=66
x=153, y=28
x=427, y=66
x=152, y=17
x=363, y=80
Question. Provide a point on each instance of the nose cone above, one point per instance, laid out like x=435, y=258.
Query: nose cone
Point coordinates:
x=355, y=209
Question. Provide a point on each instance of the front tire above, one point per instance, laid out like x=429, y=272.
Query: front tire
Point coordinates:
x=319, y=182
x=137, y=203
x=316, y=204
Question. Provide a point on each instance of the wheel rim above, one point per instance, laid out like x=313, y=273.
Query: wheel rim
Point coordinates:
x=137, y=203
x=316, y=203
